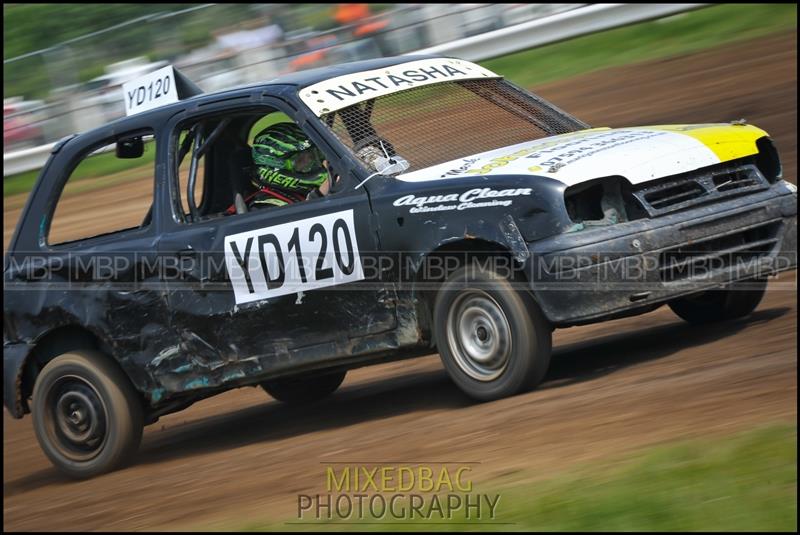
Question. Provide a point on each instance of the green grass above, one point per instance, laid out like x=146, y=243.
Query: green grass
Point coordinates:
x=748, y=482
x=671, y=36
x=679, y=34
x=743, y=482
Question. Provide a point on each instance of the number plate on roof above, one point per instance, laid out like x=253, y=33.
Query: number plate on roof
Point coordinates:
x=150, y=91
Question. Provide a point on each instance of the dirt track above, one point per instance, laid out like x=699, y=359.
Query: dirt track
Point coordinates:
x=612, y=387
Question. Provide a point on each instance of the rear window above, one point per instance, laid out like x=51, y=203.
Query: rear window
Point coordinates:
x=437, y=123
x=106, y=194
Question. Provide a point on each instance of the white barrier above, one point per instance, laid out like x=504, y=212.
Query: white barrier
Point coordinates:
x=515, y=38
x=26, y=159
x=558, y=27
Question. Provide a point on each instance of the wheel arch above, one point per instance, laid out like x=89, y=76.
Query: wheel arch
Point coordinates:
x=436, y=265
x=51, y=344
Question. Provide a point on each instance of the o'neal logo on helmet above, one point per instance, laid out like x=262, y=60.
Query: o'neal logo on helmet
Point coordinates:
x=267, y=176
x=271, y=176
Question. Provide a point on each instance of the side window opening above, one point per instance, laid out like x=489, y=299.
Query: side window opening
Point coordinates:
x=236, y=172
x=110, y=190
x=220, y=160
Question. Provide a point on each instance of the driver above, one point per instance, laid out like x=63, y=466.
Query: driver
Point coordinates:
x=288, y=168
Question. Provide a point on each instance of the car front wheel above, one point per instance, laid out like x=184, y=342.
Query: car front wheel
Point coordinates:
x=86, y=414
x=492, y=338
x=736, y=300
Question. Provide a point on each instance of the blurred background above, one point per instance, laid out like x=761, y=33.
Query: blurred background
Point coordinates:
x=62, y=78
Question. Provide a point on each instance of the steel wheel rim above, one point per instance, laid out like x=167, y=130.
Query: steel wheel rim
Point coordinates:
x=479, y=335
x=75, y=418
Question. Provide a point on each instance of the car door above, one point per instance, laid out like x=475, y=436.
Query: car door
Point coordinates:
x=279, y=287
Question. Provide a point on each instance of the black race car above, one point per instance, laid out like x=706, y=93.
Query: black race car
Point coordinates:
x=470, y=217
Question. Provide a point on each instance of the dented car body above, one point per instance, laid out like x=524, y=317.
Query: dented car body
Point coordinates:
x=594, y=223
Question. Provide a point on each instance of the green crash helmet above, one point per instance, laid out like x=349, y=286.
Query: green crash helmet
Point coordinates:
x=286, y=159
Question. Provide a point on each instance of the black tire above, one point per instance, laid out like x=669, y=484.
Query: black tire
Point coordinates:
x=492, y=338
x=304, y=388
x=736, y=300
x=104, y=426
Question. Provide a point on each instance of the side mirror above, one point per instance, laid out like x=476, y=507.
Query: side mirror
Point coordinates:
x=391, y=166
x=130, y=148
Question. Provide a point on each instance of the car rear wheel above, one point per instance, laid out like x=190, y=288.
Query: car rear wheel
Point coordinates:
x=86, y=414
x=492, y=338
x=305, y=388
x=736, y=300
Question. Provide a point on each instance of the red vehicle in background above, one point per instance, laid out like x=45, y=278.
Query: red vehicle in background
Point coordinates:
x=360, y=36
x=20, y=129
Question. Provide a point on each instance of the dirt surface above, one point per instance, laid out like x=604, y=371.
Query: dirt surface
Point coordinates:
x=612, y=387
x=754, y=80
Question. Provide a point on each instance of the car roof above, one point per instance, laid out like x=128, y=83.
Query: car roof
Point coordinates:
x=309, y=77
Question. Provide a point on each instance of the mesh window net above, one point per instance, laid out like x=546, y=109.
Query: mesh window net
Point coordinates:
x=438, y=123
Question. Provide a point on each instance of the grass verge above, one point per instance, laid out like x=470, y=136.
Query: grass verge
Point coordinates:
x=745, y=482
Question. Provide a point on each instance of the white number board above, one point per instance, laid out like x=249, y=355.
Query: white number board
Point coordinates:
x=298, y=256
x=150, y=91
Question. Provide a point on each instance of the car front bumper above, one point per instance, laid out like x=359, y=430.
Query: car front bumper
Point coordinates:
x=614, y=271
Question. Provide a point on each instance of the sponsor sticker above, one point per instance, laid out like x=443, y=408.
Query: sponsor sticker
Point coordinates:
x=474, y=198
x=343, y=91
x=292, y=257
x=465, y=165
x=639, y=154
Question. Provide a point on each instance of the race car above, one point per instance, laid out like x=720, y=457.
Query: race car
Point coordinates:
x=468, y=217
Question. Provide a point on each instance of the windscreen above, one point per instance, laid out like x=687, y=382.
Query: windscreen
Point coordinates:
x=438, y=123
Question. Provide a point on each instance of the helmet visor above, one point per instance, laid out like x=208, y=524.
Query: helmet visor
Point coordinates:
x=306, y=161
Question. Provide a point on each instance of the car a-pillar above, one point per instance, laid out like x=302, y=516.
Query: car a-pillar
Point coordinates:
x=492, y=337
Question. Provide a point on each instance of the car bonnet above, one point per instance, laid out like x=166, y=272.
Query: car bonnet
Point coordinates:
x=639, y=154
